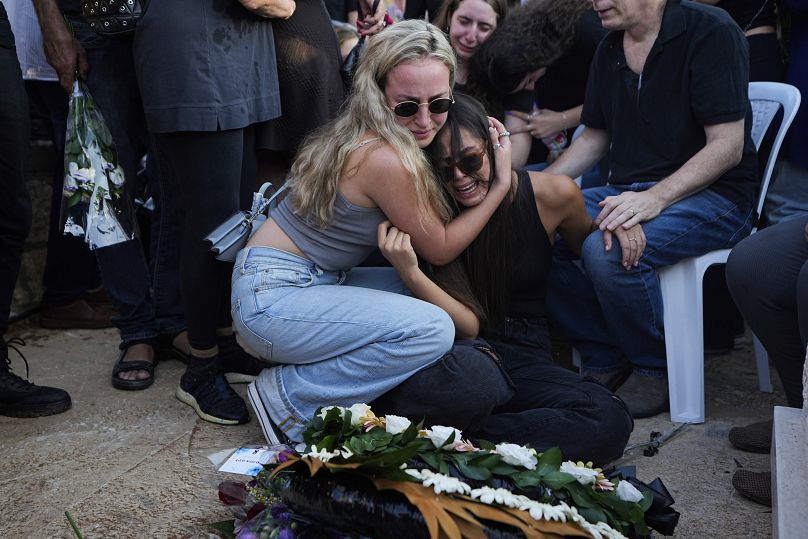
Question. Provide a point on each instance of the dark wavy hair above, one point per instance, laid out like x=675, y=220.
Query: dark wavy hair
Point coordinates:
x=531, y=37
x=480, y=277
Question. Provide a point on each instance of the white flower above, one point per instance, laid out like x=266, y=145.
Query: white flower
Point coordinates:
x=502, y=496
x=322, y=454
x=601, y=530
x=440, y=434
x=582, y=474
x=83, y=178
x=628, y=492
x=395, y=424
x=116, y=176
x=443, y=483
x=360, y=412
x=346, y=452
x=326, y=409
x=415, y=473
x=517, y=455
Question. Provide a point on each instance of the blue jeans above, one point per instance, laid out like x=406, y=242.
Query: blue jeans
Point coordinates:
x=612, y=315
x=339, y=337
x=148, y=301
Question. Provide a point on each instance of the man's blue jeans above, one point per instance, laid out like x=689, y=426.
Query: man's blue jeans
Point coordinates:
x=337, y=337
x=612, y=315
x=148, y=302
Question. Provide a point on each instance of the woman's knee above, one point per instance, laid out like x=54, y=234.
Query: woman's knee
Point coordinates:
x=435, y=331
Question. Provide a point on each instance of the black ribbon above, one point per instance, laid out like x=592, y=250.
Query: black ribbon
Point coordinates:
x=661, y=516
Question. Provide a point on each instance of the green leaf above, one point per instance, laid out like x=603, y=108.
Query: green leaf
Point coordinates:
x=410, y=434
x=526, y=480
x=481, y=473
x=225, y=528
x=431, y=458
x=549, y=461
x=581, y=497
x=487, y=460
x=74, y=199
x=556, y=480
x=593, y=514
x=486, y=445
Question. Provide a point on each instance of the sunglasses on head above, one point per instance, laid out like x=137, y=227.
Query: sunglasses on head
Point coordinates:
x=469, y=164
x=439, y=105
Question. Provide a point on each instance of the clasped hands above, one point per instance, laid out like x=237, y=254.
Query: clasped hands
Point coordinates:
x=621, y=217
x=540, y=123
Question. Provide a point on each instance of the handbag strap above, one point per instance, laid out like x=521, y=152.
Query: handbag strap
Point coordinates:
x=268, y=202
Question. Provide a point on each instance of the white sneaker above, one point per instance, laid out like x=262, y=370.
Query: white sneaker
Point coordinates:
x=272, y=433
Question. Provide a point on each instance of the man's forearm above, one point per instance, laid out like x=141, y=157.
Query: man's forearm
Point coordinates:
x=724, y=150
x=582, y=154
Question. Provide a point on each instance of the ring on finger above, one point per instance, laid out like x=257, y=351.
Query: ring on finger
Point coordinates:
x=633, y=213
x=632, y=239
x=505, y=133
x=497, y=146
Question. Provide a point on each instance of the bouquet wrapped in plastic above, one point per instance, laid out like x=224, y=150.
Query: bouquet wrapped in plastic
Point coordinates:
x=94, y=204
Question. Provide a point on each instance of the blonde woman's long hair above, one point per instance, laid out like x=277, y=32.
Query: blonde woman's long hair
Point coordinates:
x=316, y=171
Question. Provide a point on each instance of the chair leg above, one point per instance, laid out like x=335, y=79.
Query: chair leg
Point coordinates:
x=762, y=362
x=684, y=340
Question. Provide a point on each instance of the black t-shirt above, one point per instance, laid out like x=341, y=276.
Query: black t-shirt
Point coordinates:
x=338, y=9
x=696, y=75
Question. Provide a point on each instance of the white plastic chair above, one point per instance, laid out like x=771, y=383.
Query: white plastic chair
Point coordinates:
x=682, y=283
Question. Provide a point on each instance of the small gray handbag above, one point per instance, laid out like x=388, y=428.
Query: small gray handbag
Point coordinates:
x=231, y=236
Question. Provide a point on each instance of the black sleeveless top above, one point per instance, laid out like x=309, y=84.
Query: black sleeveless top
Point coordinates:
x=750, y=14
x=531, y=255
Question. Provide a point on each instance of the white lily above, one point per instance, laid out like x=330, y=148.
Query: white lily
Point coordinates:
x=582, y=474
x=628, y=492
x=395, y=424
x=440, y=434
x=517, y=455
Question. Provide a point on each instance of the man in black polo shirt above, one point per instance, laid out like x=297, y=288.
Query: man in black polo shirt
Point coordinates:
x=667, y=96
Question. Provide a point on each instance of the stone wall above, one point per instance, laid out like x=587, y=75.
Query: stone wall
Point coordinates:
x=39, y=174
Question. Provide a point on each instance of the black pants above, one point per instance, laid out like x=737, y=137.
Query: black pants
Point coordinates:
x=216, y=174
x=15, y=206
x=767, y=274
x=548, y=406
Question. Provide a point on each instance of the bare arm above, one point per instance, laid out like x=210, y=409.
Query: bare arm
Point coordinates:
x=561, y=209
x=270, y=9
x=391, y=189
x=722, y=151
x=396, y=247
x=521, y=141
x=582, y=154
x=62, y=51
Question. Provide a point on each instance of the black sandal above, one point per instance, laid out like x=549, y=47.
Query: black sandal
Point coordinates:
x=166, y=350
x=128, y=366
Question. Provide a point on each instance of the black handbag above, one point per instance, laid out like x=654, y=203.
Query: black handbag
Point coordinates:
x=113, y=17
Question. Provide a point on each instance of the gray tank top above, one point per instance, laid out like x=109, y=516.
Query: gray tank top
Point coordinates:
x=342, y=245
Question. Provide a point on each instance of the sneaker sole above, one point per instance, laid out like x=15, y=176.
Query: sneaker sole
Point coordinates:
x=36, y=411
x=263, y=417
x=240, y=378
x=189, y=399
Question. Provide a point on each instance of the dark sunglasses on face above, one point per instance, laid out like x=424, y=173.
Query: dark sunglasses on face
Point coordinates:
x=469, y=164
x=439, y=105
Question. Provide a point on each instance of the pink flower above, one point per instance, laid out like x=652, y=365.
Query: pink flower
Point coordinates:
x=466, y=446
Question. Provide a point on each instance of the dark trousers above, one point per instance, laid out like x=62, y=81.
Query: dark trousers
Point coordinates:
x=767, y=274
x=215, y=173
x=548, y=406
x=15, y=208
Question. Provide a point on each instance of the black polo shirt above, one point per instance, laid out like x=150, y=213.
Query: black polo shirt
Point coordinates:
x=696, y=75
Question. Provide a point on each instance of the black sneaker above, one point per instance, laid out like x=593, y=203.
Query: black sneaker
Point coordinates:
x=207, y=392
x=238, y=366
x=21, y=398
x=272, y=433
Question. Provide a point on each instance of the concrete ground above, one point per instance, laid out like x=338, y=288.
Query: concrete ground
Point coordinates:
x=134, y=464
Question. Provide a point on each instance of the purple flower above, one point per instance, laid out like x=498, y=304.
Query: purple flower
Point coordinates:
x=283, y=456
x=286, y=534
x=280, y=512
x=247, y=534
